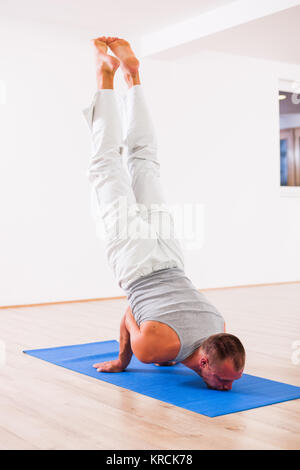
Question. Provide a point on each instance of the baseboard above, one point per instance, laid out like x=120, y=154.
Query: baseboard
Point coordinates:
x=100, y=299
x=60, y=302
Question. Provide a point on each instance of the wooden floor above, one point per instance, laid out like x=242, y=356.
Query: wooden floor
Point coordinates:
x=43, y=406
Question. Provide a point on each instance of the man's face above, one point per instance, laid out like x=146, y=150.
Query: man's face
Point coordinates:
x=219, y=376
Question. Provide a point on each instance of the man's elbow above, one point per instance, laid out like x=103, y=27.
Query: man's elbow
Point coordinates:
x=141, y=352
x=146, y=359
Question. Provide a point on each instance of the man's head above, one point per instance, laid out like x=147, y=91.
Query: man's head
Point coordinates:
x=221, y=361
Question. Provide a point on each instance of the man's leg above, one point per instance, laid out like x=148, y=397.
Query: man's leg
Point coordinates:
x=109, y=179
x=111, y=186
x=144, y=168
x=142, y=160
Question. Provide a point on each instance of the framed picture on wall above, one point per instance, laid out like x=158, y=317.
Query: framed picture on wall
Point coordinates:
x=289, y=117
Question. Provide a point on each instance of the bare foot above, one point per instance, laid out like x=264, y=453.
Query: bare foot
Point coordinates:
x=129, y=63
x=105, y=62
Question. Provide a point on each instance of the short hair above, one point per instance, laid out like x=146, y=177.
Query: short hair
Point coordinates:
x=225, y=346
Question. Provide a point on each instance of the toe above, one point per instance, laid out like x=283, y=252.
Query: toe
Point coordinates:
x=111, y=39
x=101, y=39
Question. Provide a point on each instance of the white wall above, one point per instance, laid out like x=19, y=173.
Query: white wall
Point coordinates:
x=46, y=237
x=227, y=154
x=48, y=245
x=217, y=123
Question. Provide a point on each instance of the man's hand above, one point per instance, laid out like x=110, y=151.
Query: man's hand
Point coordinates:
x=109, y=366
x=125, y=352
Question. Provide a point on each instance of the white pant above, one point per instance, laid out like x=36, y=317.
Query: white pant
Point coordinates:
x=130, y=252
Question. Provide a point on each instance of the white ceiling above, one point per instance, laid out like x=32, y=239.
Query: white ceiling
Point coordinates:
x=131, y=18
x=275, y=37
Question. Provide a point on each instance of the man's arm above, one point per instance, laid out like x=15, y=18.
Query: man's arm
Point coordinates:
x=129, y=332
x=125, y=351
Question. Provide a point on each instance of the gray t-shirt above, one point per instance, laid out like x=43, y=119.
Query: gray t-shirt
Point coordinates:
x=168, y=296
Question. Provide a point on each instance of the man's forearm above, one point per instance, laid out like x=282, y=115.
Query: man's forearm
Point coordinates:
x=125, y=352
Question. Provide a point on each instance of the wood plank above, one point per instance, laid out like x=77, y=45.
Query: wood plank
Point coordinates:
x=47, y=407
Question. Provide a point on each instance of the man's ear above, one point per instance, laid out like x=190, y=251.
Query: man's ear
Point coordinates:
x=203, y=362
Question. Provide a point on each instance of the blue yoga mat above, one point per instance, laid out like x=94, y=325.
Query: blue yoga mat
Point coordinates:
x=176, y=385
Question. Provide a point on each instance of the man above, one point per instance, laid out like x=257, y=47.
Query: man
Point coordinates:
x=168, y=319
